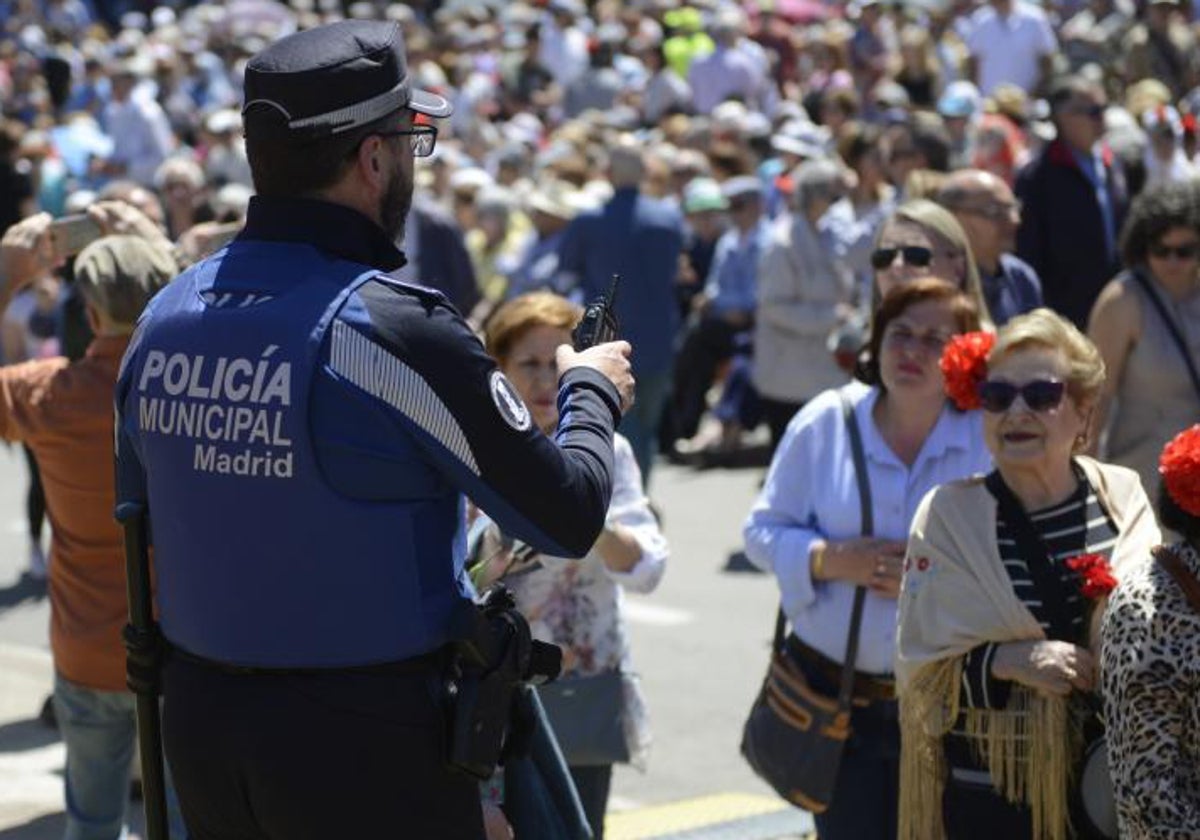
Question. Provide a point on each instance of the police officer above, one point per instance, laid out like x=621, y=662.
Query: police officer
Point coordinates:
x=303, y=429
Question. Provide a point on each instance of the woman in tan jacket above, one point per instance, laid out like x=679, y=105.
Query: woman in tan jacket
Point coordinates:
x=805, y=292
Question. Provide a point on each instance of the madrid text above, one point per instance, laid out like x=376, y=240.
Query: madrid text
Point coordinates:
x=234, y=408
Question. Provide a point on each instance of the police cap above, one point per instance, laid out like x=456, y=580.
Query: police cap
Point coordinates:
x=323, y=81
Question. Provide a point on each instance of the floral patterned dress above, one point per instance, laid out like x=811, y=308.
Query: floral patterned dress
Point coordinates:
x=577, y=604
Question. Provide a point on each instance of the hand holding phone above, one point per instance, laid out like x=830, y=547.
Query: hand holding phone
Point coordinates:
x=71, y=234
x=26, y=253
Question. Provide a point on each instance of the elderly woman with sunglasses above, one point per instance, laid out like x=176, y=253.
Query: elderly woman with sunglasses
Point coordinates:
x=1151, y=393
x=1003, y=589
x=807, y=528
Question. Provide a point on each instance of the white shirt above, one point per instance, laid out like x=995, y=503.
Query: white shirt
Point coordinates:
x=811, y=493
x=564, y=52
x=141, y=135
x=1009, y=49
x=664, y=91
x=722, y=74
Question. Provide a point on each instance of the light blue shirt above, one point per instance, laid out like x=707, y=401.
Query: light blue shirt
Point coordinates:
x=733, y=278
x=811, y=493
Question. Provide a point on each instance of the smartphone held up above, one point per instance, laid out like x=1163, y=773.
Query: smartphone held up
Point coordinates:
x=71, y=234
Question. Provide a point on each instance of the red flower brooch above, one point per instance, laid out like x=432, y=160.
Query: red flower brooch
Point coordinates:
x=1095, y=575
x=1179, y=467
x=964, y=366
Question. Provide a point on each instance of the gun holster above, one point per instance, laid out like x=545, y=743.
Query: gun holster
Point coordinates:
x=493, y=653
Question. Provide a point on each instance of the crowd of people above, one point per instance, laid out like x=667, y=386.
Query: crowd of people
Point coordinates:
x=807, y=204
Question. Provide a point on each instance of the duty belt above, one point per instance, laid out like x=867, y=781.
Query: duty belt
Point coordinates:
x=426, y=662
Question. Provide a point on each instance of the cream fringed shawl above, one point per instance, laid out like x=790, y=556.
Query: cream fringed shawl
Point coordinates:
x=956, y=596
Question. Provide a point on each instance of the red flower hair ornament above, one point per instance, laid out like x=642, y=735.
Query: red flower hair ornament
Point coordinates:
x=964, y=366
x=1179, y=467
x=1095, y=575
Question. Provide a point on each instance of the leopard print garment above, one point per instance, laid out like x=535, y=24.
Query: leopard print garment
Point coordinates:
x=1150, y=666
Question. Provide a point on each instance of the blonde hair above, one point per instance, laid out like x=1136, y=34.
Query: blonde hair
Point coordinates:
x=523, y=313
x=940, y=224
x=178, y=168
x=1044, y=328
x=924, y=183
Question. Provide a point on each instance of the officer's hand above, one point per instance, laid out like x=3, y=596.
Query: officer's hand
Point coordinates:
x=611, y=359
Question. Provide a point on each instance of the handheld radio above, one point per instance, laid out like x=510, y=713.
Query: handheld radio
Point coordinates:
x=599, y=322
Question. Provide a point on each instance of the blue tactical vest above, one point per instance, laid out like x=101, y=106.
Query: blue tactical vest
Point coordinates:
x=259, y=561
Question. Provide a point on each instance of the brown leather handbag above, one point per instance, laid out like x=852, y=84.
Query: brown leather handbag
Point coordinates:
x=794, y=736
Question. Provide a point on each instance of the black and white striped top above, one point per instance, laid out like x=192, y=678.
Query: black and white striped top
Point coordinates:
x=1080, y=525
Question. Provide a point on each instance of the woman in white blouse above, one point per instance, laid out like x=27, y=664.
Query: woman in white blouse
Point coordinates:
x=806, y=528
x=576, y=604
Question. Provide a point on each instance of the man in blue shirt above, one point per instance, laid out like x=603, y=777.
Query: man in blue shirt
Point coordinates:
x=639, y=238
x=726, y=310
x=302, y=429
x=989, y=213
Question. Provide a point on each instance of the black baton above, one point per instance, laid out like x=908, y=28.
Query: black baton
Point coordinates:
x=143, y=646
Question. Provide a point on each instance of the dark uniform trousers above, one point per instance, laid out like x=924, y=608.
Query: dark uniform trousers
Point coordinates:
x=291, y=757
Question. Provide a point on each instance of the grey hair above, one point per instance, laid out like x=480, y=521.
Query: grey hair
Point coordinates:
x=626, y=163
x=816, y=180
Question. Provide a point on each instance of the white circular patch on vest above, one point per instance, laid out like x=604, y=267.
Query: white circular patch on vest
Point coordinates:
x=509, y=403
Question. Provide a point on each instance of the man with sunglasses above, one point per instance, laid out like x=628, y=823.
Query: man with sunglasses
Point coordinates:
x=989, y=214
x=302, y=429
x=1074, y=199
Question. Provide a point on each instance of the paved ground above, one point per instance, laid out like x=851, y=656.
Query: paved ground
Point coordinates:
x=699, y=643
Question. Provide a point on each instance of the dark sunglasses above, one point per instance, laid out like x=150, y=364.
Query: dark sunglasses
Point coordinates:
x=1094, y=111
x=1179, y=252
x=1039, y=395
x=914, y=255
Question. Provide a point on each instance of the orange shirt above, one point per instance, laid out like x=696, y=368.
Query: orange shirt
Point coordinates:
x=64, y=412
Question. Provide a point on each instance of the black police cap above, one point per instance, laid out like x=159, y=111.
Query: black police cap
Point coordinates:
x=323, y=81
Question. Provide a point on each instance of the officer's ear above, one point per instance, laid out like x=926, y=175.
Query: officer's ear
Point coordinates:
x=370, y=161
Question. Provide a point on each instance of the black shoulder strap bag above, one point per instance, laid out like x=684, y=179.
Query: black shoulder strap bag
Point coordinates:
x=1094, y=806
x=794, y=736
x=1172, y=327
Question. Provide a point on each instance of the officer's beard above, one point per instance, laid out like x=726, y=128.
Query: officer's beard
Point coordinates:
x=395, y=203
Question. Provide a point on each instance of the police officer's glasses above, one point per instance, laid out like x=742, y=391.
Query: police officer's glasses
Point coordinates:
x=424, y=138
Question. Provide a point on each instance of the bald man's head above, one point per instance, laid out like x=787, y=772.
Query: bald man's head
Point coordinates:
x=988, y=211
x=967, y=185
